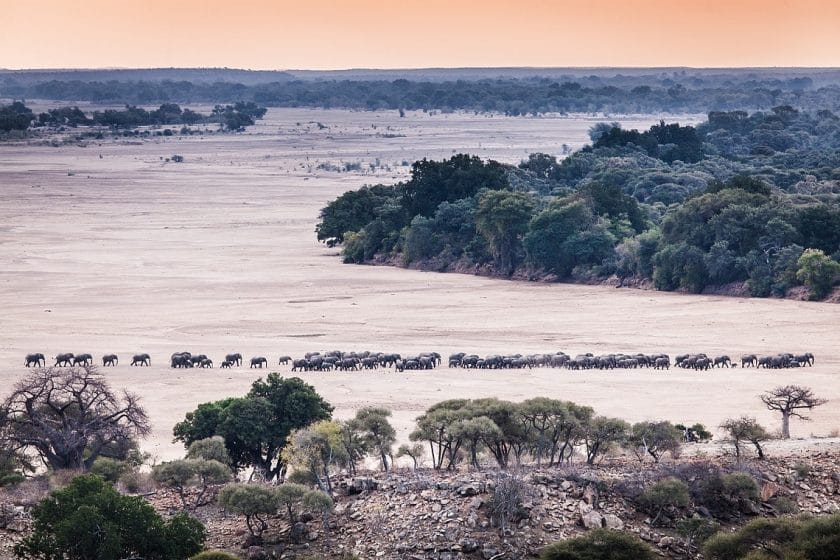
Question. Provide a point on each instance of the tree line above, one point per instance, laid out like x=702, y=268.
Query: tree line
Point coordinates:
x=237, y=116
x=677, y=92
x=750, y=199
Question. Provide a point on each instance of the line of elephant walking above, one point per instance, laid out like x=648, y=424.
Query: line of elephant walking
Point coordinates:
x=70, y=359
x=700, y=361
x=366, y=360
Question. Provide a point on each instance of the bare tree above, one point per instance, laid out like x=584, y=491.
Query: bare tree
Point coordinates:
x=788, y=400
x=69, y=417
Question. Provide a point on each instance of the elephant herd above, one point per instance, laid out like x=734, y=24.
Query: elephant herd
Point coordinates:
x=779, y=361
x=699, y=361
x=355, y=361
x=69, y=359
x=366, y=360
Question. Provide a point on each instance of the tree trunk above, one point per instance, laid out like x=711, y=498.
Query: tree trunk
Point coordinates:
x=785, y=424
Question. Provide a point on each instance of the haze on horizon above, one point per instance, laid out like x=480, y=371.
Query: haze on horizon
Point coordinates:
x=330, y=34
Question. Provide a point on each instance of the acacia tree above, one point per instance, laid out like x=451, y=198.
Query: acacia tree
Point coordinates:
x=502, y=218
x=745, y=429
x=69, y=417
x=788, y=400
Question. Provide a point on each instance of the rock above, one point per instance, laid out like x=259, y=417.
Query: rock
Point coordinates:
x=584, y=508
x=489, y=552
x=312, y=536
x=361, y=484
x=436, y=507
x=469, y=545
x=768, y=490
x=612, y=521
x=476, y=503
x=590, y=495
x=592, y=520
x=468, y=490
x=666, y=542
x=257, y=553
x=298, y=532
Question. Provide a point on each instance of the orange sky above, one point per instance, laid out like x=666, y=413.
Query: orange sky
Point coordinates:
x=330, y=34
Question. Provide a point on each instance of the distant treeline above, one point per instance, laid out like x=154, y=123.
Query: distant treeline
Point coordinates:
x=18, y=116
x=675, y=92
x=741, y=198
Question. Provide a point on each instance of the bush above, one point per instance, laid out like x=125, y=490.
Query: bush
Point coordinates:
x=600, y=544
x=209, y=449
x=666, y=494
x=818, y=272
x=109, y=469
x=90, y=519
x=185, y=473
x=251, y=500
x=214, y=555
x=766, y=539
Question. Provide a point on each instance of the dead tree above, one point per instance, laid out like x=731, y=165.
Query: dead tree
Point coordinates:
x=788, y=400
x=69, y=417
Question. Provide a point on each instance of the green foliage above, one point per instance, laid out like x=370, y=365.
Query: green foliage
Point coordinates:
x=214, y=555
x=502, y=218
x=290, y=496
x=696, y=530
x=669, y=494
x=185, y=473
x=209, y=449
x=255, y=427
x=818, y=272
x=600, y=544
x=109, y=469
x=601, y=434
x=745, y=430
x=351, y=212
x=317, y=449
x=764, y=539
x=654, y=439
x=254, y=501
x=89, y=520
x=376, y=432
x=16, y=116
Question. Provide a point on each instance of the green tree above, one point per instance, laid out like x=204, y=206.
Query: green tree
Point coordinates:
x=600, y=544
x=815, y=538
x=654, y=439
x=209, y=449
x=316, y=449
x=502, y=218
x=90, y=520
x=183, y=474
x=290, y=496
x=818, y=272
x=254, y=501
x=376, y=430
x=602, y=433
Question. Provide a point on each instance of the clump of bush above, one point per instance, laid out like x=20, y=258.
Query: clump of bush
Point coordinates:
x=666, y=496
x=599, y=544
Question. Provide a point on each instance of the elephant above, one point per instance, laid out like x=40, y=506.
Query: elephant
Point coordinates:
x=765, y=361
x=141, y=360
x=181, y=360
x=206, y=363
x=259, y=361
x=750, y=360
x=703, y=363
x=196, y=360
x=110, y=360
x=370, y=363
x=64, y=359
x=300, y=365
x=806, y=358
x=662, y=363
x=37, y=359
x=426, y=362
x=82, y=360
x=284, y=360
x=455, y=359
x=226, y=364
x=722, y=361
x=234, y=359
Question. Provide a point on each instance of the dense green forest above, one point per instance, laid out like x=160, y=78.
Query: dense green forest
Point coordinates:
x=17, y=116
x=508, y=91
x=741, y=198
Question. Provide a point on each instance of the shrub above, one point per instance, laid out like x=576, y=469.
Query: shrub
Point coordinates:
x=765, y=539
x=214, y=555
x=209, y=449
x=802, y=470
x=506, y=503
x=90, y=519
x=600, y=544
x=251, y=500
x=818, y=272
x=696, y=530
x=290, y=496
x=109, y=469
x=666, y=494
x=185, y=473
x=784, y=505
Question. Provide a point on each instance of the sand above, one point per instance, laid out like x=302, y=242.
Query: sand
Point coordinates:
x=109, y=248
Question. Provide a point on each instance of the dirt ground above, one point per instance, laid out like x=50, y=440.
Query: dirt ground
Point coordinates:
x=109, y=248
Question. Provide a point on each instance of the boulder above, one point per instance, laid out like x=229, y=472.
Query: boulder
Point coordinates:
x=592, y=520
x=612, y=521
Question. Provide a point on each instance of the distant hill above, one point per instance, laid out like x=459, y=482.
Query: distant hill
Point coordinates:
x=196, y=75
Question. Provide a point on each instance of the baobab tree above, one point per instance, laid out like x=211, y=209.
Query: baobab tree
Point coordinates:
x=788, y=400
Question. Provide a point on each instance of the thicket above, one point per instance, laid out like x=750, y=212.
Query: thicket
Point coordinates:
x=742, y=198
x=682, y=91
x=230, y=117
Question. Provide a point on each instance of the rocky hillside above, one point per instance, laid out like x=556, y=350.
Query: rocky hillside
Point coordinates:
x=476, y=515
